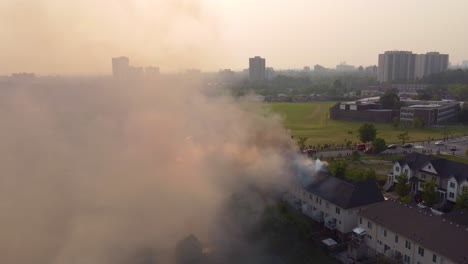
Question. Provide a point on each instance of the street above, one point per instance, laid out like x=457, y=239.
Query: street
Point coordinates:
x=461, y=145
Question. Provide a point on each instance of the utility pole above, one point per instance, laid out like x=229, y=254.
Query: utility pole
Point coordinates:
x=445, y=130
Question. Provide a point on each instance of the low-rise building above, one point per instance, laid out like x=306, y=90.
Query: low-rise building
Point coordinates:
x=451, y=177
x=408, y=234
x=364, y=111
x=336, y=202
x=430, y=114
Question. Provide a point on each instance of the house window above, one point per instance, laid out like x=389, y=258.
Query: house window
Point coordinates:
x=406, y=171
x=396, y=238
x=369, y=225
x=337, y=210
x=316, y=199
x=397, y=169
x=385, y=233
x=408, y=244
x=421, y=251
x=429, y=166
x=464, y=189
x=407, y=259
x=379, y=242
x=386, y=247
x=423, y=176
x=369, y=237
x=434, y=258
x=451, y=195
x=360, y=220
x=452, y=185
x=339, y=222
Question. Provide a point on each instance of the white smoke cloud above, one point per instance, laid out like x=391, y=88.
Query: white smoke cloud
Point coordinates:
x=92, y=174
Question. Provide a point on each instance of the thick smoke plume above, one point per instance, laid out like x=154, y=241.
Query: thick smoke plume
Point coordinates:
x=94, y=174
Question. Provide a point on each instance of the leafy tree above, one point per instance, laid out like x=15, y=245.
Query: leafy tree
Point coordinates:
x=390, y=100
x=403, y=137
x=355, y=155
x=402, y=187
x=339, y=168
x=395, y=121
x=430, y=195
x=301, y=142
x=462, y=199
x=367, y=132
x=418, y=122
x=379, y=145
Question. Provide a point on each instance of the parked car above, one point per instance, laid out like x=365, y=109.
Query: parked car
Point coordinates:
x=392, y=146
x=407, y=145
x=439, y=143
x=453, y=148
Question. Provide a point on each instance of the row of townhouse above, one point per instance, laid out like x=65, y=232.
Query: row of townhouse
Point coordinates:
x=403, y=233
x=336, y=202
x=451, y=177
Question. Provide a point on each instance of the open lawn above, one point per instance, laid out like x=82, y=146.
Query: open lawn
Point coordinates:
x=312, y=120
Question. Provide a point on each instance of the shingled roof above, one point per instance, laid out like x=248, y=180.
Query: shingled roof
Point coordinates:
x=445, y=168
x=344, y=193
x=415, y=160
x=448, y=168
x=430, y=231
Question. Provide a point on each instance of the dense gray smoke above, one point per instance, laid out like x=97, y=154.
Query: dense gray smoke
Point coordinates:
x=94, y=174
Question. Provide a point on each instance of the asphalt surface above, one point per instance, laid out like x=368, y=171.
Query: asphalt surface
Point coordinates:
x=429, y=147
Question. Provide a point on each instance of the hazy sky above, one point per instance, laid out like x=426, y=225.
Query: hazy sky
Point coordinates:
x=80, y=37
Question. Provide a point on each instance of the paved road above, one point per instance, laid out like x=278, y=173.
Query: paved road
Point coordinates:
x=424, y=147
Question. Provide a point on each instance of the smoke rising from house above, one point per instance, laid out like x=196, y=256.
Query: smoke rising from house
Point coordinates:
x=93, y=174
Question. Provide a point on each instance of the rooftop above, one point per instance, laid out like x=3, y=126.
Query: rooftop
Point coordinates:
x=344, y=193
x=430, y=231
x=445, y=168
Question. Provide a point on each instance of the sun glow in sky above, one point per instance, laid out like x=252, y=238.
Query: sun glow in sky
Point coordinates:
x=80, y=37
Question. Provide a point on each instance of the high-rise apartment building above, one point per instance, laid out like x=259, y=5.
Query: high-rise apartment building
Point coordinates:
x=257, y=69
x=405, y=66
x=429, y=63
x=396, y=66
x=120, y=67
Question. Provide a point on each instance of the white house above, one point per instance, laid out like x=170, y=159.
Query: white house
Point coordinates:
x=450, y=176
x=336, y=202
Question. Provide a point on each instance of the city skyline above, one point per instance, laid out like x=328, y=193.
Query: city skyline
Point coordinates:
x=79, y=37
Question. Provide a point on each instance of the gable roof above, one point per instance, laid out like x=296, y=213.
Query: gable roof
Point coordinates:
x=430, y=231
x=415, y=160
x=344, y=193
x=448, y=168
x=445, y=168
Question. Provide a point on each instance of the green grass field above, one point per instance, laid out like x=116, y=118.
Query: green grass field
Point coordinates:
x=311, y=120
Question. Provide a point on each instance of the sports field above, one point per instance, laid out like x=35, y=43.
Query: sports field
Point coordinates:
x=311, y=120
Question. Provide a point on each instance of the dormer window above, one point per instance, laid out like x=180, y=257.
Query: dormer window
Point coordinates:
x=429, y=166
